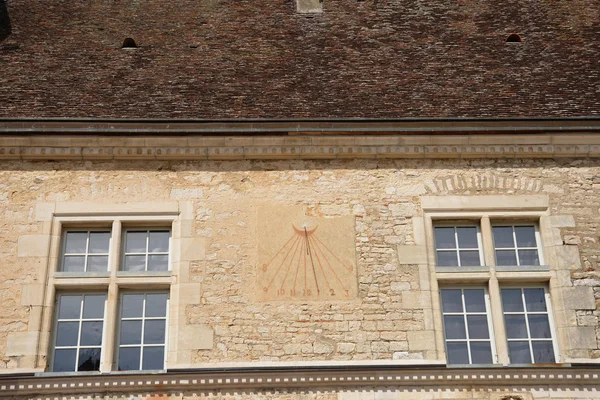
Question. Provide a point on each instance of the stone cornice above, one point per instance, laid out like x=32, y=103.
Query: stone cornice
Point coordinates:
x=261, y=147
x=306, y=378
x=249, y=127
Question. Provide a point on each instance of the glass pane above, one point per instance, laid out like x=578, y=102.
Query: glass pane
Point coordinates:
x=467, y=237
x=156, y=305
x=506, y=257
x=97, y=263
x=444, y=238
x=158, y=263
x=89, y=360
x=136, y=242
x=511, y=300
x=158, y=242
x=135, y=263
x=76, y=242
x=457, y=353
x=132, y=306
x=454, y=326
x=469, y=258
x=515, y=326
x=451, y=300
x=70, y=307
x=535, y=300
x=481, y=353
x=474, y=300
x=91, y=333
x=478, y=327
x=131, y=332
x=154, y=332
x=528, y=257
x=67, y=333
x=64, y=360
x=539, y=327
x=74, y=264
x=519, y=352
x=153, y=358
x=99, y=242
x=543, y=352
x=525, y=236
x=129, y=358
x=447, y=259
x=503, y=236
x=93, y=306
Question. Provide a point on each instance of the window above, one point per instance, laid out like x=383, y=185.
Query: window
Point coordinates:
x=487, y=256
x=146, y=250
x=528, y=330
x=458, y=246
x=135, y=316
x=78, y=338
x=466, y=326
x=516, y=245
x=85, y=251
x=143, y=330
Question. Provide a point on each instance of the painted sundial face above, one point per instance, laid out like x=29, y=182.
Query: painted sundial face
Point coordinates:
x=305, y=258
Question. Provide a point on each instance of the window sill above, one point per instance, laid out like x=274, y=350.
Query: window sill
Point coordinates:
x=463, y=276
x=62, y=274
x=454, y=270
x=522, y=268
x=121, y=274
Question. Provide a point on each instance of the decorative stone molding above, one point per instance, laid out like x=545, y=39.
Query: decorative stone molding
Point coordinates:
x=305, y=377
x=57, y=139
x=307, y=147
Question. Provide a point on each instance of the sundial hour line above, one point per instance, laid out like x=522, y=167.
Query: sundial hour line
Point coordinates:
x=305, y=261
x=317, y=245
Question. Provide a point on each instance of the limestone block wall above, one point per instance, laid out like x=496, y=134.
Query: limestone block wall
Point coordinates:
x=221, y=315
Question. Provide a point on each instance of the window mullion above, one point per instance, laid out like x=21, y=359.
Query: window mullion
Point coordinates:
x=142, y=334
x=110, y=322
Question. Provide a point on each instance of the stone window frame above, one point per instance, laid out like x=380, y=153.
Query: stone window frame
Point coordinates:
x=489, y=210
x=60, y=217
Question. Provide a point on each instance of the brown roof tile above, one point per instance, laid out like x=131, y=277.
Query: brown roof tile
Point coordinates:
x=260, y=59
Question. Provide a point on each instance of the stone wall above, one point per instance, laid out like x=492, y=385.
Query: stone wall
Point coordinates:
x=390, y=318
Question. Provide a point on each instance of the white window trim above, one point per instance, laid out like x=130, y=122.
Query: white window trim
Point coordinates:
x=117, y=345
x=146, y=229
x=63, y=253
x=488, y=314
x=54, y=333
x=550, y=313
x=538, y=240
x=449, y=223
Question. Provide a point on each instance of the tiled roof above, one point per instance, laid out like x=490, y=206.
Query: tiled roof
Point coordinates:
x=261, y=59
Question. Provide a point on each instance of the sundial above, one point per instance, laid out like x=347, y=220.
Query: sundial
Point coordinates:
x=305, y=258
